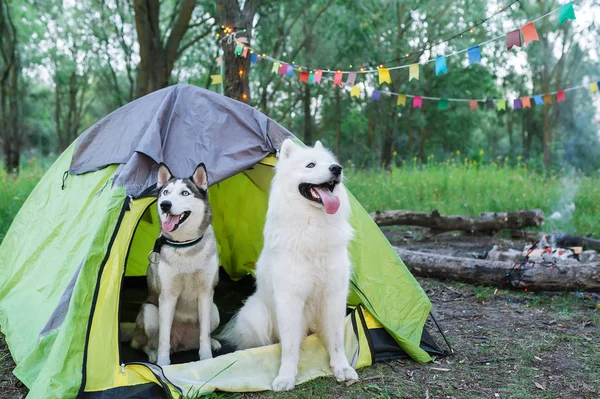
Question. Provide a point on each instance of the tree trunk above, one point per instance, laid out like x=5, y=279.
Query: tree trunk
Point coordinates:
x=578, y=277
x=509, y=128
x=236, y=67
x=547, y=137
x=308, y=129
x=487, y=221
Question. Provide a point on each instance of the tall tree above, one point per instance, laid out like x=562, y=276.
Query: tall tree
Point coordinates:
x=161, y=46
x=10, y=89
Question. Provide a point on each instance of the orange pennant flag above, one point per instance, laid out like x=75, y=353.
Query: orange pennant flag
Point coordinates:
x=526, y=101
x=547, y=98
x=529, y=33
x=473, y=105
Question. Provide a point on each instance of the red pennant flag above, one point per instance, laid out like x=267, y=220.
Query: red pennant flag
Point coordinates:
x=245, y=52
x=529, y=33
x=513, y=39
x=418, y=102
x=303, y=77
x=560, y=96
x=473, y=105
x=337, y=79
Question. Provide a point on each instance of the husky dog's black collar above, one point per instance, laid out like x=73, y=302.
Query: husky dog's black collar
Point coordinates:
x=162, y=240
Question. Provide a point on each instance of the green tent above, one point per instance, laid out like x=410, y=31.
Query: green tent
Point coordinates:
x=86, y=230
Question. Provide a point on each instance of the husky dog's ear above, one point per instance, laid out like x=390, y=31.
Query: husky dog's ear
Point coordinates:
x=318, y=145
x=287, y=148
x=200, y=177
x=164, y=175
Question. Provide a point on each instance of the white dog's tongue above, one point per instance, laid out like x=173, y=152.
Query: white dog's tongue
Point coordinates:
x=330, y=201
x=169, y=224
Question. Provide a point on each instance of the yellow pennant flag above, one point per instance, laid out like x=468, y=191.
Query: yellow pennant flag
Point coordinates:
x=355, y=92
x=275, y=67
x=216, y=79
x=414, y=72
x=594, y=87
x=401, y=99
x=501, y=105
x=384, y=76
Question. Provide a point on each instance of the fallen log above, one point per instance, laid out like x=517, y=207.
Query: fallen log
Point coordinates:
x=562, y=240
x=487, y=221
x=577, y=277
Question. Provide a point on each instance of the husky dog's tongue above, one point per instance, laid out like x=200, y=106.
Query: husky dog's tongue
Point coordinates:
x=169, y=224
x=330, y=201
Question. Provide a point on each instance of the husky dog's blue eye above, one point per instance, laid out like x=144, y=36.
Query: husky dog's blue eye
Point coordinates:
x=185, y=193
x=165, y=192
x=311, y=165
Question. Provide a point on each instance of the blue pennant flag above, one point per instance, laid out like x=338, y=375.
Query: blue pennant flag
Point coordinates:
x=474, y=55
x=376, y=96
x=538, y=100
x=290, y=71
x=440, y=65
x=253, y=58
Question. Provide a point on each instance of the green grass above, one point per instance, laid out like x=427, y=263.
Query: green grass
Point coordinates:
x=14, y=190
x=469, y=188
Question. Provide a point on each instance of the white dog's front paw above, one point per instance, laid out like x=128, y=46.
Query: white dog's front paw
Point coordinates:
x=344, y=373
x=163, y=360
x=284, y=383
x=216, y=345
x=205, y=353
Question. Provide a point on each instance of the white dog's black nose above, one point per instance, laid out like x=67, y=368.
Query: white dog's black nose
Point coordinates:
x=335, y=169
x=166, y=206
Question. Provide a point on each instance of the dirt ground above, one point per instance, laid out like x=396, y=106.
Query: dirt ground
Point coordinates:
x=507, y=344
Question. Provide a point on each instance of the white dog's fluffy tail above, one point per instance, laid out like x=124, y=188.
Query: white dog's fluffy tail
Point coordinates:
x=251, y=327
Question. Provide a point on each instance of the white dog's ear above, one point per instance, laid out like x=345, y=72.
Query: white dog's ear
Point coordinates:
x=287, y=148
x=318, y=145
x=164, y=175
x=200, y=177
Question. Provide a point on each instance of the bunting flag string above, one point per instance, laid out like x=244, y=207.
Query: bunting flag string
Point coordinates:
x=490, y=103
x=513, y=39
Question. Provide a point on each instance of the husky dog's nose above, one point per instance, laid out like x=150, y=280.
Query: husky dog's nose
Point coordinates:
x=166, y=206
x=335, y=169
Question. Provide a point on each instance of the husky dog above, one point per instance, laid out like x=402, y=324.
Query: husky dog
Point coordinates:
x=303, y=272
x=180, y=313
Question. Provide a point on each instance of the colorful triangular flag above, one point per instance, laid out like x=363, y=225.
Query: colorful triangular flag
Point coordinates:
x=513, y=38
x=443, y=104
x=566, y=12
x=216, y=79
x=489, y=104
x=401, y=99
x=547, y=98
x=337, y=79
x=355, y=92
x=311, y=78
x=560, y=96
x=239, y=48
x=440, y=65
x=290, y=71
x=418, y=102
x=474, y=55
x=413, y=72
x=303, y=77
x=318, y=75
x=594, y=87
x=276, y=67
x=473, y=105
x=537, y=99
x=526, y=101
x=245, y=52
x=376, y=96
x=282, y=69
x=517, y=104
x=253, y=58
x=351, y=79
x=501, y=105
x=529, y=33
x=384, y=76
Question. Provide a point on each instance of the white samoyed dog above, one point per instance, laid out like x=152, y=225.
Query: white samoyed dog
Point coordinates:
x=303, y=272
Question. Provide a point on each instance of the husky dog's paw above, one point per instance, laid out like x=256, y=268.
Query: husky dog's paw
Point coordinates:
x=152, y=355
x=205, y=353
x=284, y=383
x=163, y=361
x=215, y=345
x=344, y=373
